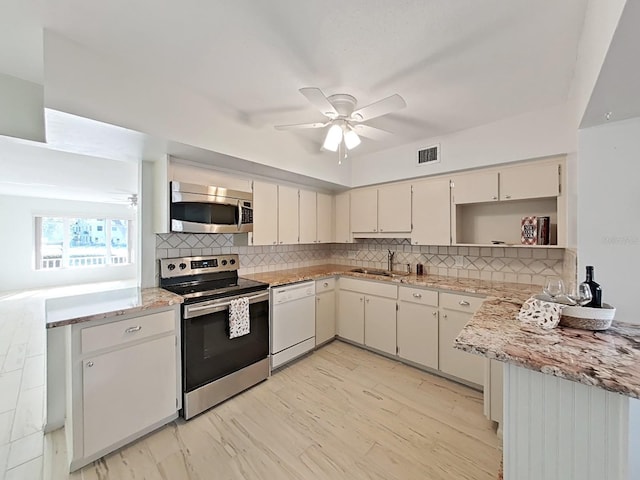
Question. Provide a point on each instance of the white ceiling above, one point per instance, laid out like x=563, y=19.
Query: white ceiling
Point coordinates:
x=458, y=64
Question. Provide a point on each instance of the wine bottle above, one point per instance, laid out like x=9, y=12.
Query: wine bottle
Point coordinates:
x=596, y=291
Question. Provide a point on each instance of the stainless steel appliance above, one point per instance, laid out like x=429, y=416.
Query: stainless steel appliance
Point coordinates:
x=214, y=366
x=203, y=209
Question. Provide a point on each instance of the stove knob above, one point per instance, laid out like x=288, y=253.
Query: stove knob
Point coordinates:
x=171, y=266
x=183, y=266
x=224, y=262
x=232, y=261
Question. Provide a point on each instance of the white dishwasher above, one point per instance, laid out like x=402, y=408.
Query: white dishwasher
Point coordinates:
x=293, y=322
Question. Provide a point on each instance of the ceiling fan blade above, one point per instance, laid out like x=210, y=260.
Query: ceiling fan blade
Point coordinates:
x=379, y=108
x=371, y=132
x=320, y=101
x=301, y=125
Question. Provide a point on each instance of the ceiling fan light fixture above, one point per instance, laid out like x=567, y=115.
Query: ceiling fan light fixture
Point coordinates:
x=333, y=138
x=351, y=139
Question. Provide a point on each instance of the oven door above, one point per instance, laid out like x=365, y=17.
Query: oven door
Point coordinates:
x=208, y=353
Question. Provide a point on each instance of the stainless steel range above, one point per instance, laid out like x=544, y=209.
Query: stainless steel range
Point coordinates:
x=214, y=366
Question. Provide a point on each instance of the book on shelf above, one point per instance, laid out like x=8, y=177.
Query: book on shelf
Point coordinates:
x=535, y=230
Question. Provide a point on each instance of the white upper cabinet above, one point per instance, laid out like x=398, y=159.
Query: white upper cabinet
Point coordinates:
x=381, y=210
x=431, y=213
x=308, y=217
x=265, y=213
x=394, y=208
x=364, y=210
x=520, y=182
x=475, y=187
x=287, y=215
x=342, y=217
x=530, y=181
x=324, y=218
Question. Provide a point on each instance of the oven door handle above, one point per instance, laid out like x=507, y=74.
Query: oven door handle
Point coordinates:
x=218, y=306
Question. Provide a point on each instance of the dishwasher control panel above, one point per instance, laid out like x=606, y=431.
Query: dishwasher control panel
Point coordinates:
x=290, y=293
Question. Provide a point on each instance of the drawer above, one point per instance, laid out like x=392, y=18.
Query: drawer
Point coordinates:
x=124, y=331
x=418, y=295
x=462, y=303
x=370, y=288
x=325, y=285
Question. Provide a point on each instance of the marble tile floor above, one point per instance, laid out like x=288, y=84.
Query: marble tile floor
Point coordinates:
x=339, y=413
x=23, y=377
x=22, y=385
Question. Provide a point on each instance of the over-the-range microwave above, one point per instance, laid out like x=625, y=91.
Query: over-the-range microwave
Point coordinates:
x=204, y=209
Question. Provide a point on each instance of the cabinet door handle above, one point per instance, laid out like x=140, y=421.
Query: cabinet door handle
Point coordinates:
x=133, y=329
x=444, y=315
x=360, y=298
x=275, y=243
x=417, y=295
x=507, y=196
x=494, y=198
x=280, y=242
x=434, y=313
x=89, y=364
x=464, y=303
x=381, y=230
x=317, y=299
x=367, y=300
x=375, y=229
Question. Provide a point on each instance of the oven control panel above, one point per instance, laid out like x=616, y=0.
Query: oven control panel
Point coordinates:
x=184, y=266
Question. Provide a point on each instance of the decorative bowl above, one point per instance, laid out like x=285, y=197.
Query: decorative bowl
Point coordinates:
x=588, y=318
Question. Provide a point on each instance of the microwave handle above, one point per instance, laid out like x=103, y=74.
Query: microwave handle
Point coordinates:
x=239, y=215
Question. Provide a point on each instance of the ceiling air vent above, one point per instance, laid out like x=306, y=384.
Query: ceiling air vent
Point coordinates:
x=429, y=155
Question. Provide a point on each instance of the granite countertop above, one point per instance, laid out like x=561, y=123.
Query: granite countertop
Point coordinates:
x=608, y=359
x=61, y=311
x=464, y=285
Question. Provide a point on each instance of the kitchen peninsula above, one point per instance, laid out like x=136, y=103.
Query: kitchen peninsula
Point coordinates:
x=571, y=396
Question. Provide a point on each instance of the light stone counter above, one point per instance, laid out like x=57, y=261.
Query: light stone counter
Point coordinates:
x=517, y=291
x=608, y=359
x=73, y=309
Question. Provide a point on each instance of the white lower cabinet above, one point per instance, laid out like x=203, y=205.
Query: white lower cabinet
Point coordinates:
x=126, y=390
x=325, y=310
x=350, y=323
x=124, y=381
x=418, y=326
x=380, y=323
x=455, y=312
x=367, y=313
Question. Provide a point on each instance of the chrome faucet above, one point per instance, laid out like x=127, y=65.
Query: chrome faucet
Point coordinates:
x=390, y=260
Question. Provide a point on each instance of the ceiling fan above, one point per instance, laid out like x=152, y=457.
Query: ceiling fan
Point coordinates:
x=345, y=122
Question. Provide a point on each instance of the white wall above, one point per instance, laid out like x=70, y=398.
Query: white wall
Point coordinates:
x=21, y=109
x=609, y=212
x=88, y=84
x=600, y=23
x=536, y=134
x=17, y=243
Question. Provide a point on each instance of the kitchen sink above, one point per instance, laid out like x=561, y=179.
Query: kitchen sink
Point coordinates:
x=377, y=271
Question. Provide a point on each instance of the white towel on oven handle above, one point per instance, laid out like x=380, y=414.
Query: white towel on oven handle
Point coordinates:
x=239, y=321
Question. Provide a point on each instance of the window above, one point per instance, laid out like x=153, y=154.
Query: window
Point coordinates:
x=81, y=242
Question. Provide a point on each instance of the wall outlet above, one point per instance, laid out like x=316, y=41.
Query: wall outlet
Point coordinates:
x=459, y=261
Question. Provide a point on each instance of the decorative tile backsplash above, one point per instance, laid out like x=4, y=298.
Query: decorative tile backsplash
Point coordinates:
x=523, y=265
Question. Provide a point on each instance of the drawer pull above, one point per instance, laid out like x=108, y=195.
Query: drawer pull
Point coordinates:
x=133, y=329
x=325, y=284
x=417, y=295
x=89, y=364
x=464, y=303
